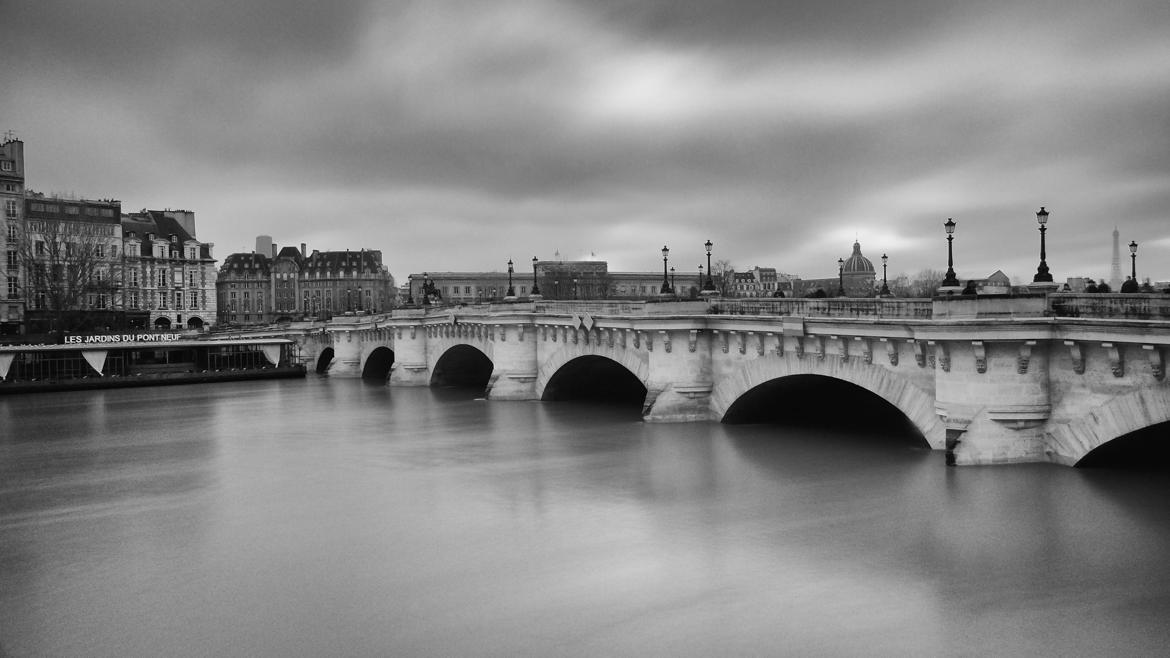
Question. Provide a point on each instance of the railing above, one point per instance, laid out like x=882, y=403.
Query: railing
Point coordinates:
x=840, y=307
x=1136, y=306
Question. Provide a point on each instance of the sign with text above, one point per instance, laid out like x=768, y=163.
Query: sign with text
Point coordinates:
x=122, y=338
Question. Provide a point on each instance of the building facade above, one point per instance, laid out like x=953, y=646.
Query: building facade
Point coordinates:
x=168, y=275
x=259, y=289
x=12, y=198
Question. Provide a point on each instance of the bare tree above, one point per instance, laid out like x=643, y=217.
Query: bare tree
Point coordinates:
x=923, y=284
x=69, y=269
x=723, y=272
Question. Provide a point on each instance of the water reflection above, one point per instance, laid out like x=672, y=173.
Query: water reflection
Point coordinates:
x=327, y=517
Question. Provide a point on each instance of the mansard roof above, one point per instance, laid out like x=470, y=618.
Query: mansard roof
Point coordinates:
x=241, y=263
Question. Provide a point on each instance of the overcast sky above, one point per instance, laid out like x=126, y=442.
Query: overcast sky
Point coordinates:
x=457, y=135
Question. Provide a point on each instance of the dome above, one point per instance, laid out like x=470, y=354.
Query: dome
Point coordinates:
x=856, y=263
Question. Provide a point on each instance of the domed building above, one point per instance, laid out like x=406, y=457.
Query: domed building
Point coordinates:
x=858, y=274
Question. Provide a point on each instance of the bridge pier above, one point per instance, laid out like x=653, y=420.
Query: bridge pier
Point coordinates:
x=513, y=363
x=410, y=356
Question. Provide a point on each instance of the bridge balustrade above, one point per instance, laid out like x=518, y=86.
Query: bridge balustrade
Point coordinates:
x=840, y=307
x=1141, y=306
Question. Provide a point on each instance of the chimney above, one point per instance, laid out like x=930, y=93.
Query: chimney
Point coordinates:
x=303, y=252
x=274, y=251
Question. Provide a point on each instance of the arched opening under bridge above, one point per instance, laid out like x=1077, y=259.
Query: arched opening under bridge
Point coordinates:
x=595, y=379
x=378, y=364
x=462, y=366
x=324, y=360
x=1147, y=449
x=821, y=404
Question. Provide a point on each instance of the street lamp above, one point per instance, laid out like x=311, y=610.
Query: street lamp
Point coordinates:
x=1042, y=275
x=410, y=290
x=951, y=281
x=885, y=286
x=709, y=284
x=665, y=281
x=535, y=288
x=840, y=277
x=511, y=291
x=426, y=297
x=1133, y=260
x=672, y=288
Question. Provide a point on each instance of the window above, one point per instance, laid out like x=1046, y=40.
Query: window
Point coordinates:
x=99, y=250
x=133, y=274
x=12, y=262
x=40, y=248
x=71, y=210
x=162, y=300
x=6, y=165
x=12, y=233
x=192, y=279
x=10, y=208
x=179, y=299
x=101, y=300
x=13, y=292
x=162, y=278
x=132, y=299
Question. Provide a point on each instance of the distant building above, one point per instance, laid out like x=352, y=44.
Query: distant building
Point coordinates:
x=556, y=280
x=167, y=273
x=259, y=289
x=12, y=198
x=856, y=277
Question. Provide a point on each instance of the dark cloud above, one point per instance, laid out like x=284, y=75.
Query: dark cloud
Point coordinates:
x=452, y=134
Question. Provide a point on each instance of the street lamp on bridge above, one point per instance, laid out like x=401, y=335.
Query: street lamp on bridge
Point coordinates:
x=1042, y=275
x=951, y=281
x=665, y=281
x=511, y=291
x=672, y=288
x=1133, y=260
x=709, y=284
x=885, y=292
x=840, y=277
x=535, y=287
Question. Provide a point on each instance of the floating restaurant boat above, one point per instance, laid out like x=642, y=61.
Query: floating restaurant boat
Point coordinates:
x=145, y=359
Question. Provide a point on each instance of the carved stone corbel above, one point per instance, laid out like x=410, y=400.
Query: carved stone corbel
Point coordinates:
x=1025, y=356
x=1115, y=359
x=819, y=344
x=760, y=346
x=413, y=329
x=798, y=347
x=665, y=340
x=891, y=351
x=609, y=336
x=1078, y=358
x=1157, y=365
x=649, y=341
x=779, y=344
x=693, y=340
x=723, y=340
x=919, y=355
x=980, y=356
x=742, y=342
x=637, y=339
x=944, y=357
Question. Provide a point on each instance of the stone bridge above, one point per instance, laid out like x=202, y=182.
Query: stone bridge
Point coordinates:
x=990, y=379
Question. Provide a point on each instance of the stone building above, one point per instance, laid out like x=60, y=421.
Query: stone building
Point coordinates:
x=856, y=277
x=257, y=288
x=12, y=199
x=167, y=273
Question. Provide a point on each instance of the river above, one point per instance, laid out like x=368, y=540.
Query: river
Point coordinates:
x=331, y=517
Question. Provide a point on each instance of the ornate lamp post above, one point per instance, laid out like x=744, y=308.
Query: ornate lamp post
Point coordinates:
x=574, y=287
x=511, y=291
x=951, y=281
x=426, y=297
x=410, y=290
x=1133, y=260
x=1042, y=275
x=359, y=301
x=535, y=288
x=672, y=288
x=665, y=281
x=709, y=284
x=840, y=277
x=885, y=287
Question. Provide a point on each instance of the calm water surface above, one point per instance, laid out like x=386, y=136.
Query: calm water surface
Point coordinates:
x=332, y=517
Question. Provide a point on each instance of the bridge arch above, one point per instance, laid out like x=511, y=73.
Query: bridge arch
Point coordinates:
x=552, y=364
x=324, y=360
x=594, y=377
x=462, y=365
x=1069, y=443
x=378, y=363
x=914, y=403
